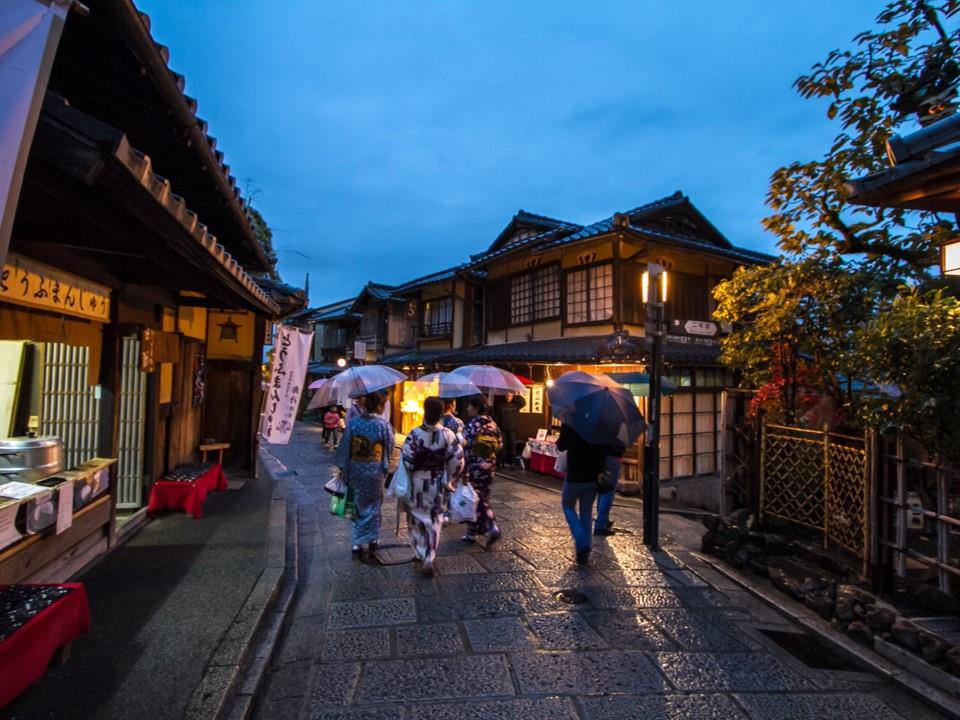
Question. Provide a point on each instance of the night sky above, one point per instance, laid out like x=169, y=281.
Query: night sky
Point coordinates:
x=386, y=140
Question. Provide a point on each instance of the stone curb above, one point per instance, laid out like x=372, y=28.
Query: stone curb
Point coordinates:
x=915, y=685
x=229, y=664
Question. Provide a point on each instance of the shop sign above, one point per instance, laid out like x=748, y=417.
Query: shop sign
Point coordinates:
x=700, y=327
x=36, y=285
x=693, y=332
x=287, y=373
x=536, y=399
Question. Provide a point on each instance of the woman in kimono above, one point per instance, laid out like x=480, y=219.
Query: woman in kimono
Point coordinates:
x=433, y=457
x=483, y=440
x=363, y=457
x=451, y=422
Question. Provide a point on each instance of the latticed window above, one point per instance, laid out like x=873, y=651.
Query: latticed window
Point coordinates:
x=535, y=295
x=521, y=299
x=438, y=317
x=590, y=294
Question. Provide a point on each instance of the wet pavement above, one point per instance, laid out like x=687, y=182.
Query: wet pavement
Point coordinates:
x=652, y=635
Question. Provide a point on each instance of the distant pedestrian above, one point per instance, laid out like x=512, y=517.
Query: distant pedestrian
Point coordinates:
x=364, y=459
x=508, y=418
x=483, y=440
x=612, y=466
x=331, y=427
x=585, y=462
x=433, y=457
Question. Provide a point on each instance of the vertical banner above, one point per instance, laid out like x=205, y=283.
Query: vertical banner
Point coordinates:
x=29, y=34
x=287, y=374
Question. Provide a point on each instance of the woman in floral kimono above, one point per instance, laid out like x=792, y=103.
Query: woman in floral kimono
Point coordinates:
x=363, y=457
x=483, y=440
x=432, y=456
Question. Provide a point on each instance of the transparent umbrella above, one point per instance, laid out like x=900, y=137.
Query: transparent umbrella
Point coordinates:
x=445, y=385
x=360, y=380
x=488, y=377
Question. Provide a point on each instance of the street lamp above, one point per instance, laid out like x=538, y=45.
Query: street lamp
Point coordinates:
x=653, y=287
x=341, y=362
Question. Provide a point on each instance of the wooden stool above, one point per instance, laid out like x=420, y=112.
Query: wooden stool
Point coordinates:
x=209, y=447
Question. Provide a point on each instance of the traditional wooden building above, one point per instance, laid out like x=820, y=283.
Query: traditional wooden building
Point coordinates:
x=131, y=317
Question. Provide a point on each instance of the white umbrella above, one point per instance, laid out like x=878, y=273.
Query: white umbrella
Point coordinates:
x=445, y=385
x=489, y=377
x=327, y=394
x=362, y=379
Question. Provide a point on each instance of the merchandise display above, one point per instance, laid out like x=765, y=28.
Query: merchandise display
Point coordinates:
x=189, y=472
x=20, y=603
x=186, y=487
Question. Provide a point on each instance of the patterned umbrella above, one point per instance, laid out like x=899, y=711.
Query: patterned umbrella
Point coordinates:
x=488, y=377
x=599, y=409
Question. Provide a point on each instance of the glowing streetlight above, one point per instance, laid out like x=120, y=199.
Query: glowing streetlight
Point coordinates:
x=341, y=362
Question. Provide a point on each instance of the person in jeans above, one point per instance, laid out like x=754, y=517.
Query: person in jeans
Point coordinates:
x=611, y=471
x=585, y=463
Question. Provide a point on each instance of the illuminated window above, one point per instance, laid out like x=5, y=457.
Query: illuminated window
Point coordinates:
x=437, y=317
x=590, y=294
x=521, y=299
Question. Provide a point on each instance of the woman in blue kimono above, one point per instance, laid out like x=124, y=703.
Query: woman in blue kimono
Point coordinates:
x=363, y=457
x=433, y=457
x=455, y=425
x=483, y=442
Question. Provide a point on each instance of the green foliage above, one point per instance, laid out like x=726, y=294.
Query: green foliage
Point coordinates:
x=842, y=303
x=915, y=346
x=265, y=237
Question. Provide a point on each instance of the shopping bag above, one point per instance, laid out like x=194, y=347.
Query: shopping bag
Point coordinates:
x=463, y=504
x=343, y=505
x=560, y=464
x=336, y=486
x=399, y=486
x=527, y=452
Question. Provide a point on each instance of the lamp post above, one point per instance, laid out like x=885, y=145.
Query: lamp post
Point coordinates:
x=654, y=291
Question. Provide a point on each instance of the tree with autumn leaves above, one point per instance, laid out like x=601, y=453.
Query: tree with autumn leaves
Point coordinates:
x=847, y=317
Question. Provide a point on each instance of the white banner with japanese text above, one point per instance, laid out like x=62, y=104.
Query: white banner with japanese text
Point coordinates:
x=287, y=374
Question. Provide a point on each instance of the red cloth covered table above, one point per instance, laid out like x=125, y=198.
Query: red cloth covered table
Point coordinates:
x=25, y=655
x=542, y=463
x=188, y=496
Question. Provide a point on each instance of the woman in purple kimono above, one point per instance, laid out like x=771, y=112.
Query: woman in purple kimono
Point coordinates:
x=483, y=440
x=363, y=457
x=433, y=457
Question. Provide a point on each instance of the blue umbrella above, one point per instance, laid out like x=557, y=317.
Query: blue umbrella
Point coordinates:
x=600, y=410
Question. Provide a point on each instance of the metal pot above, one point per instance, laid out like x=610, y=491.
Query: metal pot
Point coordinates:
x=30, y=458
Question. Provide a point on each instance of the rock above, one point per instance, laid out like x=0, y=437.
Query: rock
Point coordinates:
x=887, y=636
x=740, y=558
x=784, y=583
x=860, y=632
x=952, y=660
x=837, y=625
x=880, y=618
x=822, y=602
x=753, y=550
x=708, y=543
x=757, y=566
x=844, y=608
x=812, y=585
x=776, y=544
x=906, y=634
x=710, y=522
x=932, y=648
x=751, y=522
x=738, y=518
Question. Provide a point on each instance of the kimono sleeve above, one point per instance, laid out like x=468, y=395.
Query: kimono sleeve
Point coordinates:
x=408, y=451
x=470, y=433
x=343, y=449
x=389, y=444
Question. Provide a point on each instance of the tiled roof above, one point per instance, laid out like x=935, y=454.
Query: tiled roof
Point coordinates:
x=677, y=199
x=560, y=232
x=418, y=357
x=380, y=291
x=448, y=274
x=333, y=311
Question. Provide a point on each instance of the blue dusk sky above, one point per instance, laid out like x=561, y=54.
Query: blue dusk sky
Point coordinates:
x=386, y=140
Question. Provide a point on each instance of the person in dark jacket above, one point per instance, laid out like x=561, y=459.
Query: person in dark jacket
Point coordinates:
x=612, y=468
x=508, y=420
x=585, y=463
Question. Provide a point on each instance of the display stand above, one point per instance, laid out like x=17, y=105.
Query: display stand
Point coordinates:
x=187, y=496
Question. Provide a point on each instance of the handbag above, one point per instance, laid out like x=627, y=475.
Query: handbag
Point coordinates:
x=463, y=503
x=343, y=505
x=336, y=486
x=560, y=464
x=399, y=485
x=527, y=452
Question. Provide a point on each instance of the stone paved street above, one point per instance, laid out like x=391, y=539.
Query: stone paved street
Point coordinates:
x=660, y=636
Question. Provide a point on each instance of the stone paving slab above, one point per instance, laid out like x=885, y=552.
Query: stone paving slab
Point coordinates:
x=432, y=639
x=540, y=709
x=472, y=606
x=628, y=630
x=413, y=679
x=733, y=671
x=499, y=635
x=803, y=707
x=565, y=631
x=587, y=672
x=662, y=707
x=364, y=613
x=362, y=644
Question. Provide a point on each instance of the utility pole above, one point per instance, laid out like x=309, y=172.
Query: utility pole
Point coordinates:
x=654, y=296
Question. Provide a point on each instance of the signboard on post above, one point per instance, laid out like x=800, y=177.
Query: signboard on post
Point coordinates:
x=287, y=374
x=359, y=350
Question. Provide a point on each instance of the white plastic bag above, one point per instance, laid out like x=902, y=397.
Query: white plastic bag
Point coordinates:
x=463, y=504
x=336, y=486
x=560, y=464
x=527, y=452
x=399, y=486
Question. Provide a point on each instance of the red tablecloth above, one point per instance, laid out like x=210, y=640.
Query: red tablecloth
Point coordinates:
x=189, y=496
x=541, y=463
x=25, y=655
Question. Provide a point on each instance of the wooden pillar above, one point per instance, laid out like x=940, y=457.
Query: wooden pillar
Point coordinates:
x=109, y=381
x=256, y=395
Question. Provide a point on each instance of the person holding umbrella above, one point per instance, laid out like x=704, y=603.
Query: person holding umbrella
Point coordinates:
x=482, y=442
x=433, y=457
x=363, y=457
x=597, y=414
